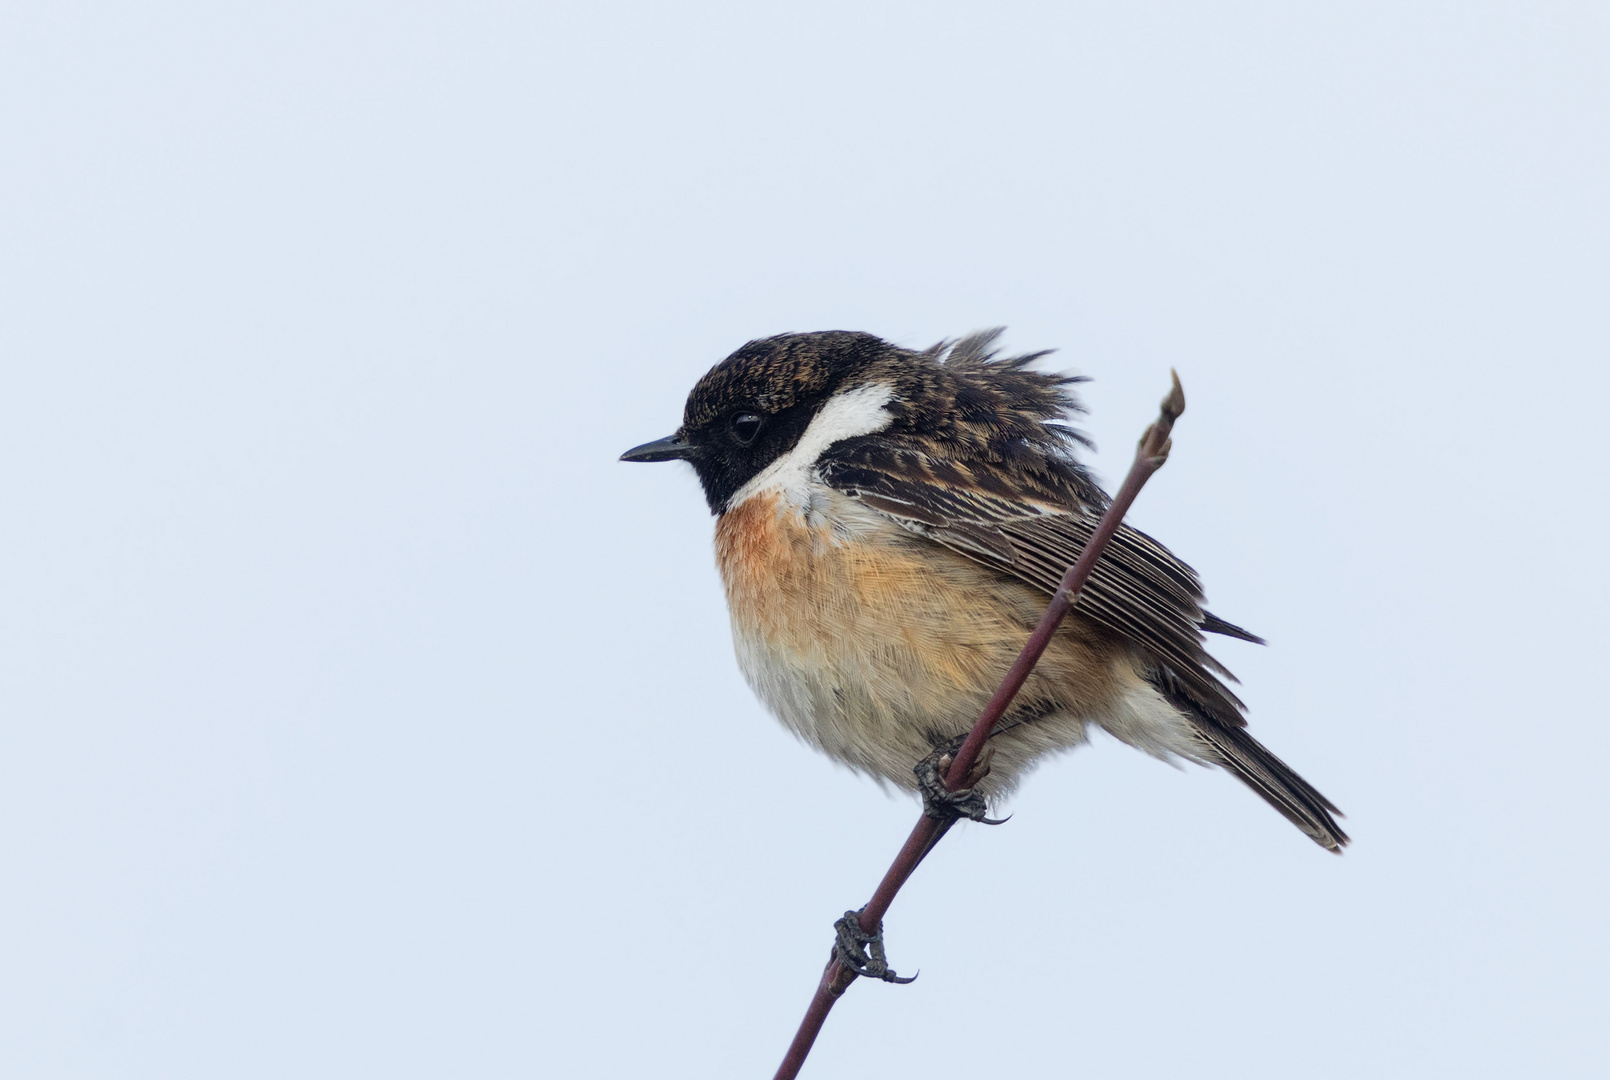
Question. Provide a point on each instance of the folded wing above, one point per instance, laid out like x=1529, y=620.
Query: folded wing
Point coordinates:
x=1033, y=528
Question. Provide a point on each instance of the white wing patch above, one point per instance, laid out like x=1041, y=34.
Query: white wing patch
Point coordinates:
x=858, y=411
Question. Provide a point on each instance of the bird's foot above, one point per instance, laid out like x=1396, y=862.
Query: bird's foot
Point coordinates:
x=943, y=804
x=862, y=952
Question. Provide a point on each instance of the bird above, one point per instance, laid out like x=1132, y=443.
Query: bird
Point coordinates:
x=890, y=524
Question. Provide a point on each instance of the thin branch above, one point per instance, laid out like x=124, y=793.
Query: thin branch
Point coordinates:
x=1149, y=457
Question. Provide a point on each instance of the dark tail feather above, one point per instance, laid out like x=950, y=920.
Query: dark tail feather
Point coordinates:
x=1272, y=778
x=1212, y=624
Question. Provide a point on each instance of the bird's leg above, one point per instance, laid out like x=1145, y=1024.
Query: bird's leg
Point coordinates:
x=862, y=952
x=943, y=804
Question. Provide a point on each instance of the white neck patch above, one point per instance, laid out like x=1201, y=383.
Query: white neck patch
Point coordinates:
x=859, y=411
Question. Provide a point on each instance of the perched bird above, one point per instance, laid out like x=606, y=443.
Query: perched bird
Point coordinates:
x=890, y=525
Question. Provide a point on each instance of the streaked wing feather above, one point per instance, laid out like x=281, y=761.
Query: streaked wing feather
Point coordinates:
x=1138, y=588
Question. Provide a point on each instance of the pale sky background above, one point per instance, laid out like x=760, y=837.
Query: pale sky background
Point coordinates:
x=360, y=715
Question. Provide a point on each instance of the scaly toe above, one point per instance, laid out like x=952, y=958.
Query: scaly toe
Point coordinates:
x=943, y=804
x=862, y=952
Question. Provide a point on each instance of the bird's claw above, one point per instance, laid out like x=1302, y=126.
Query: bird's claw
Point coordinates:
x=862, y=952
x=943, y=804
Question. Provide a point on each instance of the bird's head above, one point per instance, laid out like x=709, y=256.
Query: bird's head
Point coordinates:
x=784, y=401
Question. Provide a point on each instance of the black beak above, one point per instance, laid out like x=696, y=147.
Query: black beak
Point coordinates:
x=671, y=448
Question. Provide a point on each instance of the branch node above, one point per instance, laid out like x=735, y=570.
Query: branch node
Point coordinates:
x=1154, y=442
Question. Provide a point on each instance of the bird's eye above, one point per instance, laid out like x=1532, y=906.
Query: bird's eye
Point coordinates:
x=745, y=426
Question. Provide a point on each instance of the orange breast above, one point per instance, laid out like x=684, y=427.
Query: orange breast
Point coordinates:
x=907, y=626
x=802, y=587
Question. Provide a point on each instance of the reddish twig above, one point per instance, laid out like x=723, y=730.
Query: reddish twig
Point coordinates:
x=1149, y=457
